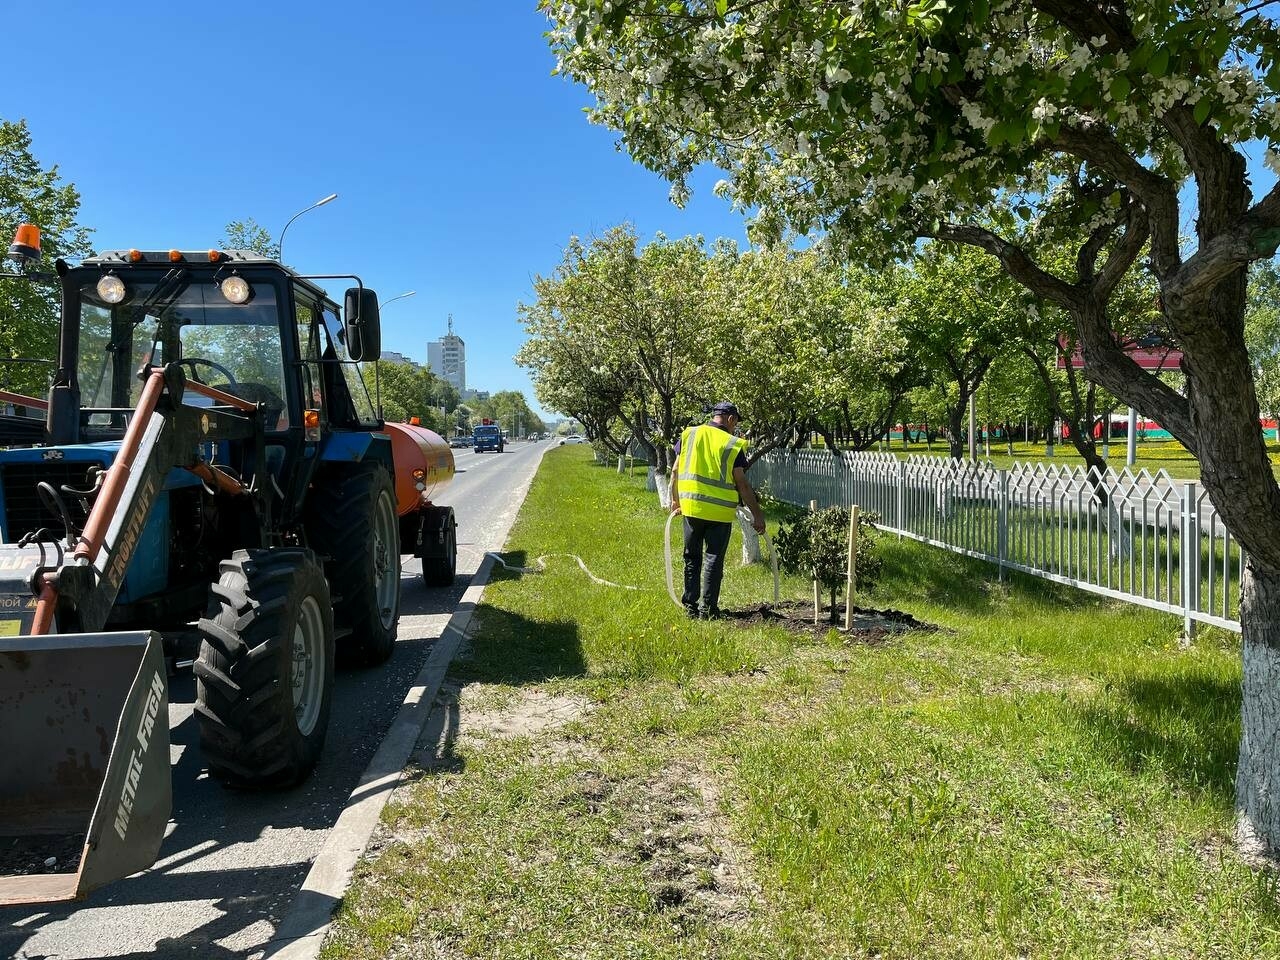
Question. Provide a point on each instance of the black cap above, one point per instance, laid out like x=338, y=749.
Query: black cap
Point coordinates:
x=725, y=408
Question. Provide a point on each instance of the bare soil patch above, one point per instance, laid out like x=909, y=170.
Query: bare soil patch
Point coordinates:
x=870, y=626
x=672, y=827
x=530, y=713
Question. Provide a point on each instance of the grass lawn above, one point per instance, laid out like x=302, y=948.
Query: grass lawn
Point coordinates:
x=1047, y=775
x=1152, y=455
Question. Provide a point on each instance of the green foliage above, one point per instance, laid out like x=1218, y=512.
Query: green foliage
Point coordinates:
x=618, y=336
x=799, y=338
x=1262, y=333
x=29, y=310
x=510, y=410
x=248, y=234
x=816, y=544
x=406, y=392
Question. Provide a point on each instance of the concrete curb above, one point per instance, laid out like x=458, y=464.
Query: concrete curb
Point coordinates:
x=302, y=931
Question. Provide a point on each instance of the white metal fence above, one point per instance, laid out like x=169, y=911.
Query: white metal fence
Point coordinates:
x=1143, y=538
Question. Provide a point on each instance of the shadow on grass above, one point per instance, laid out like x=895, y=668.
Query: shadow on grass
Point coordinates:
x=1185, y=726
x=918, y=571
x=510, y=649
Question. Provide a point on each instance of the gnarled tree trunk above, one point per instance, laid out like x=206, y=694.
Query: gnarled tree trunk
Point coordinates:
x=1258, y=770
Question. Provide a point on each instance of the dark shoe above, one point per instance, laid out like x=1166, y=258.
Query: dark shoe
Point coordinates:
x=712, y=614
x=691, y=613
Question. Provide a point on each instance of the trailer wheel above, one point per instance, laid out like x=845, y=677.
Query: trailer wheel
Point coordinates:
x=440, y=569
x=352, y=521
x=264, y=675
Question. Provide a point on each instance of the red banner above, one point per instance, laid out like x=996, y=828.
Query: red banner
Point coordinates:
x=1148, y=353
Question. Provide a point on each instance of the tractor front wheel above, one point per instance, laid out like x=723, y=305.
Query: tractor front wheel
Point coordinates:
x=264, y=676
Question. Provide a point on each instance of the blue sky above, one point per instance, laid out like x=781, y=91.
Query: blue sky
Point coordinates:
x=462, y=166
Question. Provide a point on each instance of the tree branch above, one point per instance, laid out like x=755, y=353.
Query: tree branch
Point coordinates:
x=1014, y=260
x=1094, y=144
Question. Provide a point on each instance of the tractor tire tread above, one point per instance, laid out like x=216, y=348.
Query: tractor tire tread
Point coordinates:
x=244, y=706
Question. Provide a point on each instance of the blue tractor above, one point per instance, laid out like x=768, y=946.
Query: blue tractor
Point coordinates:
x=207, y=480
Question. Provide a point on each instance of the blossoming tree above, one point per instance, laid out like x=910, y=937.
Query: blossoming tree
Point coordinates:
x=1069, y=121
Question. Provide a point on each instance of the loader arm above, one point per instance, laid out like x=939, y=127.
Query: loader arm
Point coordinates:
x=162, y=434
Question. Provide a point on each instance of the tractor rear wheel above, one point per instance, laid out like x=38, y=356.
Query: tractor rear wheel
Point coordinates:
x=442, y=527
x=352, y=521
x=264, y=675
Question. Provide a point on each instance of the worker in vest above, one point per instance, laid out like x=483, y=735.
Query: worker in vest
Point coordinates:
x=708, y=481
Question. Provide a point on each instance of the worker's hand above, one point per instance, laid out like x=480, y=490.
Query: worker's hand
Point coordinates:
x=675, y=506
x=757, y=522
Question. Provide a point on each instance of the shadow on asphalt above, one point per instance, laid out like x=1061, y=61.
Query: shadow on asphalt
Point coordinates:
x=211, y=821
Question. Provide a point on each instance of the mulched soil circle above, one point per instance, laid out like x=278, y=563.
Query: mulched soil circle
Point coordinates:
x=869, y=626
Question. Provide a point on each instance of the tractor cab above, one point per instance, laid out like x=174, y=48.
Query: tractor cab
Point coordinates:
x=235, y=321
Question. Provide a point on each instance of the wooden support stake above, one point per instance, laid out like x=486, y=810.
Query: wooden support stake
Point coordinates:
x=851, y=577
x=817, y=600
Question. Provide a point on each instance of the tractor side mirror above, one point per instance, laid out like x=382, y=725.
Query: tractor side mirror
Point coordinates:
x=364, y=330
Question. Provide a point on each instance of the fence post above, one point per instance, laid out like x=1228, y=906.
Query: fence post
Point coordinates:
x=1189, y=556
x=901, y=496
x=1002, y=523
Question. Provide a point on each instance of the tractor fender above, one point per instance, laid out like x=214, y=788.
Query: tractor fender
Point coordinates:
x=357, y=446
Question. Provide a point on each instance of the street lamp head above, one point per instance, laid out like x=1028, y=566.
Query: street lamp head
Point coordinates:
x=398, y=297
x=318, y=203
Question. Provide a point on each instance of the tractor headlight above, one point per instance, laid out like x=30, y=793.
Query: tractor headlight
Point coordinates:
x=236, y=289
x=111, y=289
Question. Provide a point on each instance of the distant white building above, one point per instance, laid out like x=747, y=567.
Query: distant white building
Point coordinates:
x=390, y=356
x=447, y=358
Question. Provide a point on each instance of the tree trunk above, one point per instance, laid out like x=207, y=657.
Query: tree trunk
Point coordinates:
x=1258, y=771
x=955, y=429
x=750, y=541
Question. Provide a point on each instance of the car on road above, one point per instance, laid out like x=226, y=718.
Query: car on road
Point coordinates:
x=572, y=438
x=460, y=442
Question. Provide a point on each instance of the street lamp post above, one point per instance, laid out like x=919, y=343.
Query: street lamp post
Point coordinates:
x=377, y=376
x=318, y=203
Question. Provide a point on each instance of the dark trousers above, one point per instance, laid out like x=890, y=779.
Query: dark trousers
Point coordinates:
x=703, y=571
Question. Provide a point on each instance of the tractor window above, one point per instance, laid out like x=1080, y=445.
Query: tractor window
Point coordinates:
x=235, y=347
x=309, y=354
x=108, y=365
x=351, y=371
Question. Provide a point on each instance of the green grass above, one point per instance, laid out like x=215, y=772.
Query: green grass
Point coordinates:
x=1151, y=455
x=1048, y=775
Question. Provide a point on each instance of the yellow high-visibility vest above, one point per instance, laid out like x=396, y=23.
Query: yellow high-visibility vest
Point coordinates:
x=705, y=479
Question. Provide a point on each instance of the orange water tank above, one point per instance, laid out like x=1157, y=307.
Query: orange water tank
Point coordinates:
x=417, y=448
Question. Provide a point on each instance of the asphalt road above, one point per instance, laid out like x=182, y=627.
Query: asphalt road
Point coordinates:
x=232, y=861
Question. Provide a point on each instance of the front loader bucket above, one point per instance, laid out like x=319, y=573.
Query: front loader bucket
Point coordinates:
x=84, y=762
